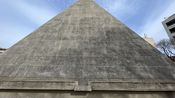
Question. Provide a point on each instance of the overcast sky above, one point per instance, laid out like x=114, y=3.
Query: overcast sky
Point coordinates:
x=18, y=18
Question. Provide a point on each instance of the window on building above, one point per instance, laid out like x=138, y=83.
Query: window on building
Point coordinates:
x=172, y=30
x=170, y=22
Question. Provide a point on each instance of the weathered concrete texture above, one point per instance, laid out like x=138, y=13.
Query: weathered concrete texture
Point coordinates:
x=85, y=49
x=68, y=94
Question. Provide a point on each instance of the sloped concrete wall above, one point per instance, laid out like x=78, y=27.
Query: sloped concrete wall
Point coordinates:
x=69, y=94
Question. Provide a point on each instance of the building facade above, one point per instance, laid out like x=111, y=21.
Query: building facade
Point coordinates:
x=169, y=25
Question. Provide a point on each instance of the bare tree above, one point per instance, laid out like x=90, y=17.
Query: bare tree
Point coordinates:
x=167, y=47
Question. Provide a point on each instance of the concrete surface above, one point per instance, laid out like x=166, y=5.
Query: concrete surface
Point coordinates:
x=85, y=49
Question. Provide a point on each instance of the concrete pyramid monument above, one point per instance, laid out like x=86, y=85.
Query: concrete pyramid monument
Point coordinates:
x=85, y=52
